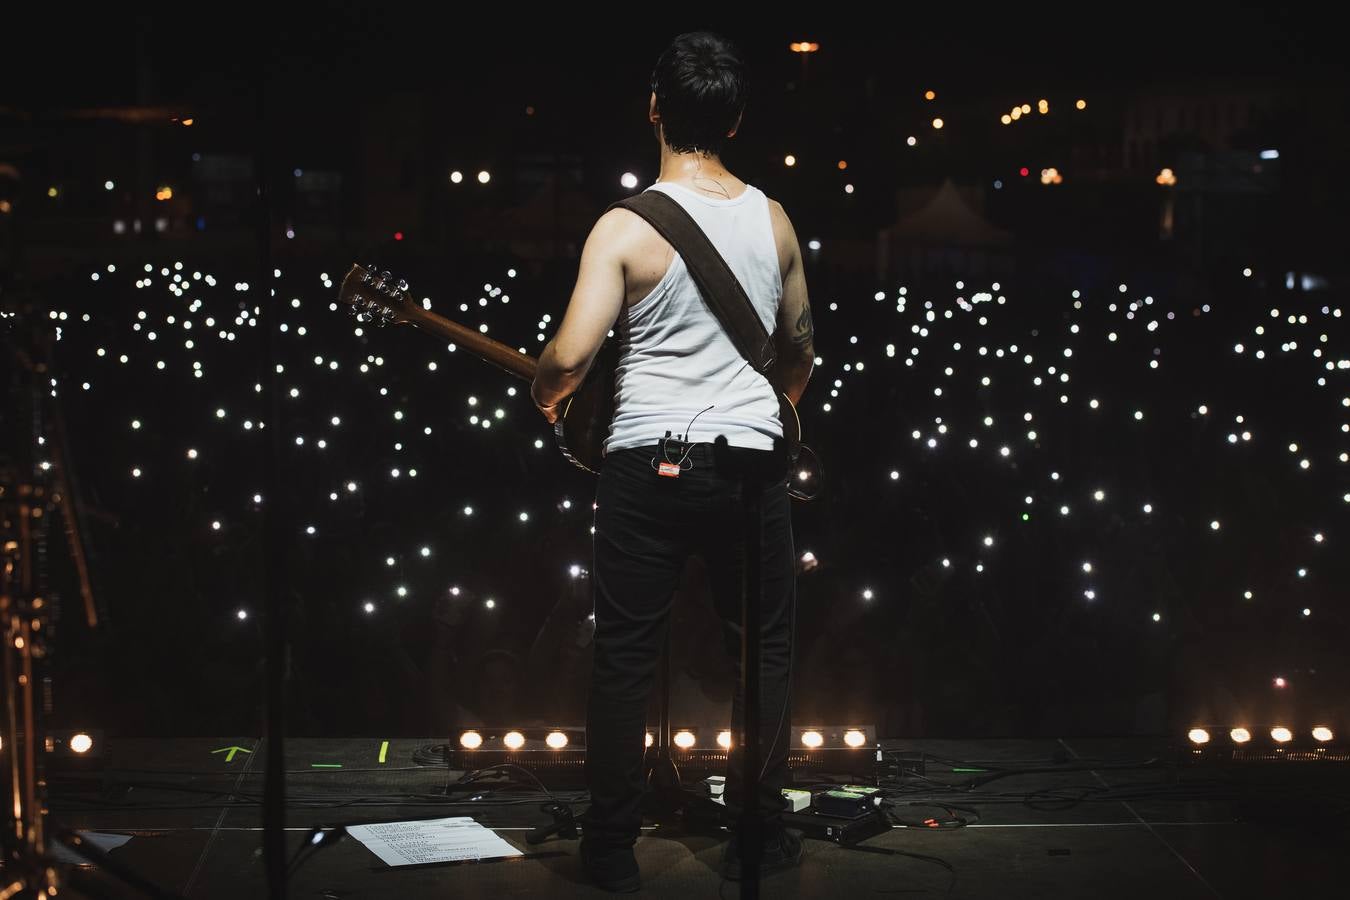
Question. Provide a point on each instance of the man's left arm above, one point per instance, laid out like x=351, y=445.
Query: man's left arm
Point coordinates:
x=596, y=302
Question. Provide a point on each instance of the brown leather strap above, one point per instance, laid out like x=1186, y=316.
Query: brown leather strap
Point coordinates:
x=719, y=286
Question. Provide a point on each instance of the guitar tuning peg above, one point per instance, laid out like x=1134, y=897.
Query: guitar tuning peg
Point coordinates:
x=402, y=285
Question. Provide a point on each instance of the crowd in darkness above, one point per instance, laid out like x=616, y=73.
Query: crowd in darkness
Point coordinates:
x=956, y=637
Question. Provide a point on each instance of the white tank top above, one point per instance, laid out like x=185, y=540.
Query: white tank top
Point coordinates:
x=676, y=359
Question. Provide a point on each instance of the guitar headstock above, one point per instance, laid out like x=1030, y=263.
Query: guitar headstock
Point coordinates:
x=374, y=296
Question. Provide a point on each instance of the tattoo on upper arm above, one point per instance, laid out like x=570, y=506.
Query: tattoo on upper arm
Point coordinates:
x=803, y=336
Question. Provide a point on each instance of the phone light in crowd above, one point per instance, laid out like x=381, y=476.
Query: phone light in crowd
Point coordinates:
x=164, y=193
x=724, y=740
x=1281, y=734
x=1270, y=154
x=854, y=738
x=484, y=177
x=556, y=739
x=1081, y=104
x=1240, y=735
x=929, y=95
x=81, y=743
x=514, y=740
x=1166, y=177
x=937, y=123
x=789, y=160
x=628, y=180
x=1198, y=736
x=650, y=739
x=1322, y=733
x=684, y=739
x=471, y=740
x=803, y=47
x=812, y=739
x=456, y=177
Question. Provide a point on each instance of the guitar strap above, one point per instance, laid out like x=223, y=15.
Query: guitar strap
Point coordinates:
x=716, y=282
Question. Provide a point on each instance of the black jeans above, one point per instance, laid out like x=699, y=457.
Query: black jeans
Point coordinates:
x=646, y=526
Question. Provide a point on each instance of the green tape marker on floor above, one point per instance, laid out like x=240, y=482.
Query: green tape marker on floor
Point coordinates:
x=325, y=765
x=384, y=748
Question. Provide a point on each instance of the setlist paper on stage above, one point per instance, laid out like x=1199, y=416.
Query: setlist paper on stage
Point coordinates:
x=431, y=840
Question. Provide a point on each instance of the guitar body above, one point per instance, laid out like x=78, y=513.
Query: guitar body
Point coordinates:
x=583, y=425
x=584, y=422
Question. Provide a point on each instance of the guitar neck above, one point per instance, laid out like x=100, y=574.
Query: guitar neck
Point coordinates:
x=508, y=359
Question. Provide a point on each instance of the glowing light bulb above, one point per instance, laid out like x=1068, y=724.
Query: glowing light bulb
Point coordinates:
x=1198, y=736
x=471, y=740
x=812, y=739
x=514, y=740
x=556, y=739
x=683, y=739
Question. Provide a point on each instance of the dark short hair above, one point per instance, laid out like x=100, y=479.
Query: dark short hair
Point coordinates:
x=701, y=86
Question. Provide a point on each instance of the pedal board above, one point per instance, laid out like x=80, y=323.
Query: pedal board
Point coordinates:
x=832, y=828
x=707, y=813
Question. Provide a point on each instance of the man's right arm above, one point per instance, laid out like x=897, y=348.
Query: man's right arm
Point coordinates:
x=794, y=335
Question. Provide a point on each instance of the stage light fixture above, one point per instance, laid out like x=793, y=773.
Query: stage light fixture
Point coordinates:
x=471, y=740
x=684, y=739
x=1198, y=736
x=1240, y=735
x=514, y=740
x=811, y=739
x=724, y=740
x=1322, y=733
x=556, y=739
x=1281, y=734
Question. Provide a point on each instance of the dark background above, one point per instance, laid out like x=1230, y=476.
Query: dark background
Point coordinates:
x=354, y=116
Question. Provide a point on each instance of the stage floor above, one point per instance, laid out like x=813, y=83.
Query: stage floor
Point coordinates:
x=1125, y=822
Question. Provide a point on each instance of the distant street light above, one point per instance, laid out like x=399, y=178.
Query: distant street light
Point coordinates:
x=805, y=48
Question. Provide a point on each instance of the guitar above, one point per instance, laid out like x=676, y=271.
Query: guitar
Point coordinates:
x=585, y=417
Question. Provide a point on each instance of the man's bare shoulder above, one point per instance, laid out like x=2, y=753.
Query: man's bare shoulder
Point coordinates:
x=784, y=235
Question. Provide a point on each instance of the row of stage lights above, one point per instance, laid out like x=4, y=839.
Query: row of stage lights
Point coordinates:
x=684, y=739
x=1279, y=734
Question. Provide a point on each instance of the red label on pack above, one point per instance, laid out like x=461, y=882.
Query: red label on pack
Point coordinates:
x=670, y=469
